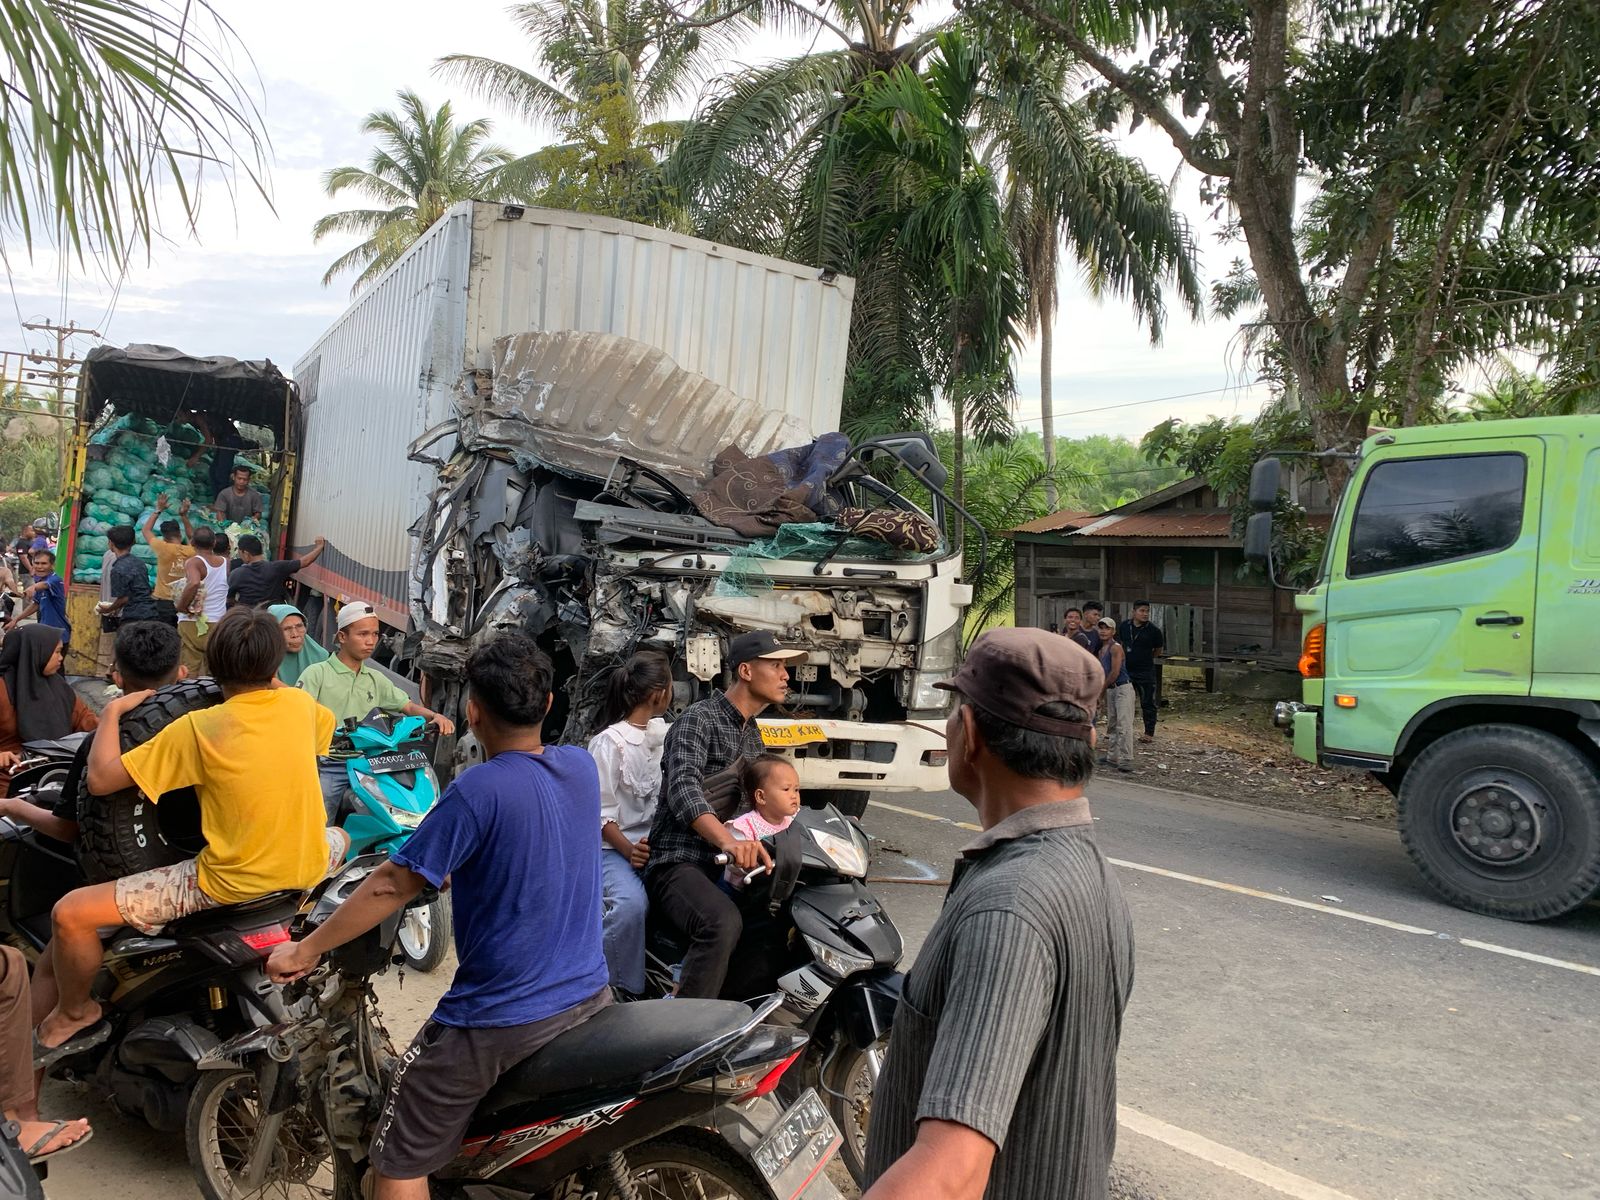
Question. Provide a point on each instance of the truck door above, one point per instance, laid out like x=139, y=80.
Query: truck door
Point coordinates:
x=1432, y=586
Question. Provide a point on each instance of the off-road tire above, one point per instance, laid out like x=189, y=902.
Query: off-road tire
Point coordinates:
x=124, y=833
x=306, y=1163
x=707, y=1157
x=850, y=803
x=1535, y=767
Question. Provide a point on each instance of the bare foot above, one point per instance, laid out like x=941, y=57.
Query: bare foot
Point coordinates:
x=59, y=1028
x=71, y=1133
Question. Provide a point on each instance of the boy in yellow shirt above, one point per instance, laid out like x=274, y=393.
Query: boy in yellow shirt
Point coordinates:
x=253, y=761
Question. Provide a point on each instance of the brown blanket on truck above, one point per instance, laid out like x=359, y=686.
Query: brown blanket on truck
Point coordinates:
x=750, y=496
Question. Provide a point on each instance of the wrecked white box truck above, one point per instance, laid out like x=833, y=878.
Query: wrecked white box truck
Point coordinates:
x=509, y=427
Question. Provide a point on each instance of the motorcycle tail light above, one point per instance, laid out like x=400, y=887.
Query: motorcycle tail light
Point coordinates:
x=770, y=1081
x=263, y=940
x=747, y=1084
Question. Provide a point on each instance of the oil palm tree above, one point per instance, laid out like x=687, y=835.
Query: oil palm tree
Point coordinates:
x=604, y=76
x=423, y=163
x=101, y=102
x=764, y=166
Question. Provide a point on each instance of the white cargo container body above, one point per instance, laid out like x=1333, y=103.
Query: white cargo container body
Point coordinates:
x=390, y=368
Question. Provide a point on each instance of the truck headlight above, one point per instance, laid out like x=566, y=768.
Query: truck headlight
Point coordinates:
x=924, y=696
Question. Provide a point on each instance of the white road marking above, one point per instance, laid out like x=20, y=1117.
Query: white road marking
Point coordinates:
x=1523, y=954
x=1291, y=901
x=1239, y=889
x=1226, y=1157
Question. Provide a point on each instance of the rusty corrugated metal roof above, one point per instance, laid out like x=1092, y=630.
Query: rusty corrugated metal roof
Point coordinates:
x=1170, y=523
x=1066, y=519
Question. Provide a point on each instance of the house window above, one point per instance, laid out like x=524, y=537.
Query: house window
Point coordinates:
x=1192, y=567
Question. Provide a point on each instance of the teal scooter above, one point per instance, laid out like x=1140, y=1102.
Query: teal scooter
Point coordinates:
x=391, y=787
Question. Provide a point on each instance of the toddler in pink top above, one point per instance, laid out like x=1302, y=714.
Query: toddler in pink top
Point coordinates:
x=772, y=791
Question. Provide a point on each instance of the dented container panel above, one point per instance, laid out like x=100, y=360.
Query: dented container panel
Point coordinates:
x=769, y=331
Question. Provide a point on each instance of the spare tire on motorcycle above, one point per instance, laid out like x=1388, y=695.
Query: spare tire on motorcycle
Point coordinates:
x=124, y=833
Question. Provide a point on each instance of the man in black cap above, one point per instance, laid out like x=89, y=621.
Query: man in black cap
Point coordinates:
x=1001, y=1076
x=699, y=766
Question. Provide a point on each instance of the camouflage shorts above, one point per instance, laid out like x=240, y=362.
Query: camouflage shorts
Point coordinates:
x=150, y=899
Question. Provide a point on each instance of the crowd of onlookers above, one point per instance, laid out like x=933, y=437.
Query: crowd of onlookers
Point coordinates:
x=1130, y=653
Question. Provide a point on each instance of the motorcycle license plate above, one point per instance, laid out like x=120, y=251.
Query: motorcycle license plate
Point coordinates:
x=792, y=733
x=388, y=764
x=799, y=1146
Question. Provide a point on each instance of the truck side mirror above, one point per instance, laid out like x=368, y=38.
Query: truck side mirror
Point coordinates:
x=1265, y=478
x=1258, y=537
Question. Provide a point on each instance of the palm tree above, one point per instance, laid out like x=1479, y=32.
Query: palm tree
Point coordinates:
x=605, y=75
x=764, y=166
x=424, y=162
x=101, y=102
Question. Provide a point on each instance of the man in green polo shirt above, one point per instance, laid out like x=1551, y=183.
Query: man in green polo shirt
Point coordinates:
x=350, y=689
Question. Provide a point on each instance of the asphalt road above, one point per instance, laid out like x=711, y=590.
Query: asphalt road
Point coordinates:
x=1306, y=1021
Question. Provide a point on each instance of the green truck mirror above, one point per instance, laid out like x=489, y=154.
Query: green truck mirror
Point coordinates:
x=1265, y=478
x=1258, y=538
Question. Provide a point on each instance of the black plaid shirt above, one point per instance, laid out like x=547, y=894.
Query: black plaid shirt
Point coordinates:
x=710, y=736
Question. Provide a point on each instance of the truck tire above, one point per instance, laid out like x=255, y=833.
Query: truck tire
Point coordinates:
x=849, y=803
x=1504, y=820
x=123, y=833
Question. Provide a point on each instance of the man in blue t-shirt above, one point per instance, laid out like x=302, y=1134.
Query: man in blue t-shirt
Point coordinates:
x=46, y=596
x=515, y=838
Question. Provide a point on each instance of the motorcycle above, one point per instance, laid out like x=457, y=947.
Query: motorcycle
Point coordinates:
x=653, y=1098
x=816, y=935
x=392, y=785
x=170, y=999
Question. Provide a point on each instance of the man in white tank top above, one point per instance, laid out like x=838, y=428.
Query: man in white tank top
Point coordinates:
x=203, y=601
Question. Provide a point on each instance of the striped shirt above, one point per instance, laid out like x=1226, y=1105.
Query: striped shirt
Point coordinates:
x=1010, y=1019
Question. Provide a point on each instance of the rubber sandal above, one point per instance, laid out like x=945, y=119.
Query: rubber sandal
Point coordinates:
x=84, y=1039
x=33, y=1151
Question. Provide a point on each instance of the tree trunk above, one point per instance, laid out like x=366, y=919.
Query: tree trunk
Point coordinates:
x=1047, y=415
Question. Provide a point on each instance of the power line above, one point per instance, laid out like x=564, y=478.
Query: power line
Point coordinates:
x=1153, y=400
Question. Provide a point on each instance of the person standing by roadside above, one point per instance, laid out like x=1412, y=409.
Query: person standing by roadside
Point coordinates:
x=1001, y=1076
x=46, y=596
x=628, y=754
x=131, y=596
x=258, y=583
x=704, y=750
x=1072, y=623
x=1146, y=646
x=1089, y=634
x=203, y=601
x=173, y=552
x=1119, y=700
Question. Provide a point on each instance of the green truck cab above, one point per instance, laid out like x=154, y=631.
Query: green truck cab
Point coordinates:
x=1452, y=648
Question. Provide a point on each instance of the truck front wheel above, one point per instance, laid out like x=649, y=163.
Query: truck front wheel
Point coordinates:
x=1504, y=820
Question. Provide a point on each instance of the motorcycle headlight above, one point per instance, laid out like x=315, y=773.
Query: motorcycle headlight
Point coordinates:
x=403, y=817
x=845, y=854
x=836, y=962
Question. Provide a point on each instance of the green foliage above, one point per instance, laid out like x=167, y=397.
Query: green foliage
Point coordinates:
x=31, y=463
x=605, y=76
x=1225, y=450
x=17, y=511
x=104, y=99
x=424, y=162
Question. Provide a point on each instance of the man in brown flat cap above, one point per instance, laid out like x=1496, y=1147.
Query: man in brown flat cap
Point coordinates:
x=1001, y=1076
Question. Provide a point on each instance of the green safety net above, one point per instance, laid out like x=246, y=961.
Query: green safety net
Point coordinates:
x=807, y=542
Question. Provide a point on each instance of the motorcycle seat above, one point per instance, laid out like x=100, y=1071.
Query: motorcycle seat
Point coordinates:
x=65, y=747
x=264, y=910
x=619, y=1044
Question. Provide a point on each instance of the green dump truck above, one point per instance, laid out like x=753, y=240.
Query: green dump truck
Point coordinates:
x=1452, y=648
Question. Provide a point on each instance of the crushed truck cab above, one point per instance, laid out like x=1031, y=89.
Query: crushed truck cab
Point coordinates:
x=1451, y=649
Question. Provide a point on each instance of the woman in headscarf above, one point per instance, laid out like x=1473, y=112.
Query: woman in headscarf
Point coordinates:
x=36, y=701
x=302, y=648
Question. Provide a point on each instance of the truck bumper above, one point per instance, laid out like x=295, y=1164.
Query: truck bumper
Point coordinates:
x=897, y=756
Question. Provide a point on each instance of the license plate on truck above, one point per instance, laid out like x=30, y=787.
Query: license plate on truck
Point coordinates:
x=799, y=1146
x=792, y=733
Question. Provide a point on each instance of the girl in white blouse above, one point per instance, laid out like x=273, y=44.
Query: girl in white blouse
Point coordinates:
x=628, y=753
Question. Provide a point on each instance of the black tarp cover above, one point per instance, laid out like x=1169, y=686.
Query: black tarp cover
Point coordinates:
x=159, y=382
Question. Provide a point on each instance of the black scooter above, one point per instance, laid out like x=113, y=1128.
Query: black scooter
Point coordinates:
x=664, y=1098
x=815, y=934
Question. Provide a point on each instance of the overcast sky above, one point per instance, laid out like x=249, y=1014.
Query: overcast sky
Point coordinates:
x=250, y=286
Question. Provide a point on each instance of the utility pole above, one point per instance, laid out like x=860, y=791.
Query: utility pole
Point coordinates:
x=60, y=369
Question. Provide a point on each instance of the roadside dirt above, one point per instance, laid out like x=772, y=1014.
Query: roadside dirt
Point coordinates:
x=1227, y=748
